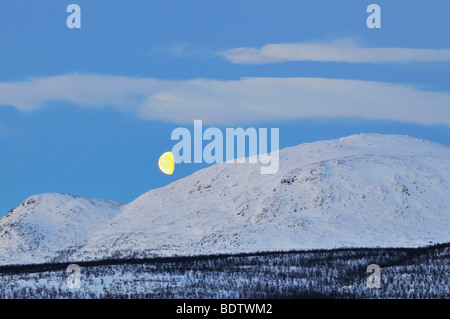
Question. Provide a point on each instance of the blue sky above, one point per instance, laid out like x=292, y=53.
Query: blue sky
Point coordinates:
x=89, y=111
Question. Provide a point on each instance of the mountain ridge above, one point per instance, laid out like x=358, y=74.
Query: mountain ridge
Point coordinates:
x=364, y=190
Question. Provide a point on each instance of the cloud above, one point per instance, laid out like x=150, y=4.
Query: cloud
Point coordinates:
x=6, y=131
x=339, y=51
x=248, y=100
x=85, y=90
x=179, y=50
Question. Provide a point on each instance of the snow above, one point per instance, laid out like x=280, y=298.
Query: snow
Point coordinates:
x=360, y=191
x=405, y=273
x=364, y=190
x=43, y=225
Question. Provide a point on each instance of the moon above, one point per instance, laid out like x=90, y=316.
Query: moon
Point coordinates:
x=166, y=163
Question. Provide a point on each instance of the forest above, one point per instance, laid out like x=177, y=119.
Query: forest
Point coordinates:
x=341, y=273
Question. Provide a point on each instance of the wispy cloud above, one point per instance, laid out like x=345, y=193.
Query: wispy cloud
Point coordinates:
x=247, y=100
x=7, y=131
x=84, y=90
x=179, y=50
x=338, y=51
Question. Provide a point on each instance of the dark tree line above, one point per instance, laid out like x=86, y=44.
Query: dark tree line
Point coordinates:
x=405, y=273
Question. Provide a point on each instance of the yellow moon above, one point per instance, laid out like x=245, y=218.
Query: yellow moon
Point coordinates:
x=166, y=163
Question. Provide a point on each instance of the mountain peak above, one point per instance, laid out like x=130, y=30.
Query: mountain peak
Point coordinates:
x=46, y=197
x=45, y=225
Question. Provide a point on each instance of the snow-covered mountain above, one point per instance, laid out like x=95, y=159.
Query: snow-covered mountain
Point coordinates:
x=360, y=191
x=43, y=226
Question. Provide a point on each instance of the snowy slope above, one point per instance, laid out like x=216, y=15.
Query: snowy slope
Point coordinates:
x=44, y=226
x=360, y=191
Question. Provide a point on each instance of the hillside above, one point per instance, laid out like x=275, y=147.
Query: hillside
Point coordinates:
x=359, y=191
x=44, y=225
x=365, y=190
